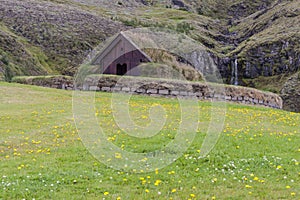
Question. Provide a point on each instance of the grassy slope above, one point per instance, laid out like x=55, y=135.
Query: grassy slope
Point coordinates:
x=18, y=57
x=278, y=25
x=64, y=33
x=225, y=10
x=257, y=156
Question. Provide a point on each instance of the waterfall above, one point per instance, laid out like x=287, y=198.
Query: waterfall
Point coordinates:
x=236, y=78
x=234, y=72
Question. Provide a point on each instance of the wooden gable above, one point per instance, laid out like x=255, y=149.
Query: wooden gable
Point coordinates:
x=121, y=56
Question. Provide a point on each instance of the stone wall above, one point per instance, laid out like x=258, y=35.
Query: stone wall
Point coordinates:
x=160, y=87
x=58, y=82
x=184, y=89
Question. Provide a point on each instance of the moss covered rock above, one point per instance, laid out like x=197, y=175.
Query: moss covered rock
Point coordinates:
x=290, y=93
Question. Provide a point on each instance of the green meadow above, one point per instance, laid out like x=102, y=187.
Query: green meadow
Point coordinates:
x=42, y=156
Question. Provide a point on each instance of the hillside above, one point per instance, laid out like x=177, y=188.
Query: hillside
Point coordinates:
x=19, y=57
x=260, y=37
x=62, y=35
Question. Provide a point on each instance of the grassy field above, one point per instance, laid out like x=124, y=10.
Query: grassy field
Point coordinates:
x=43, y=157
